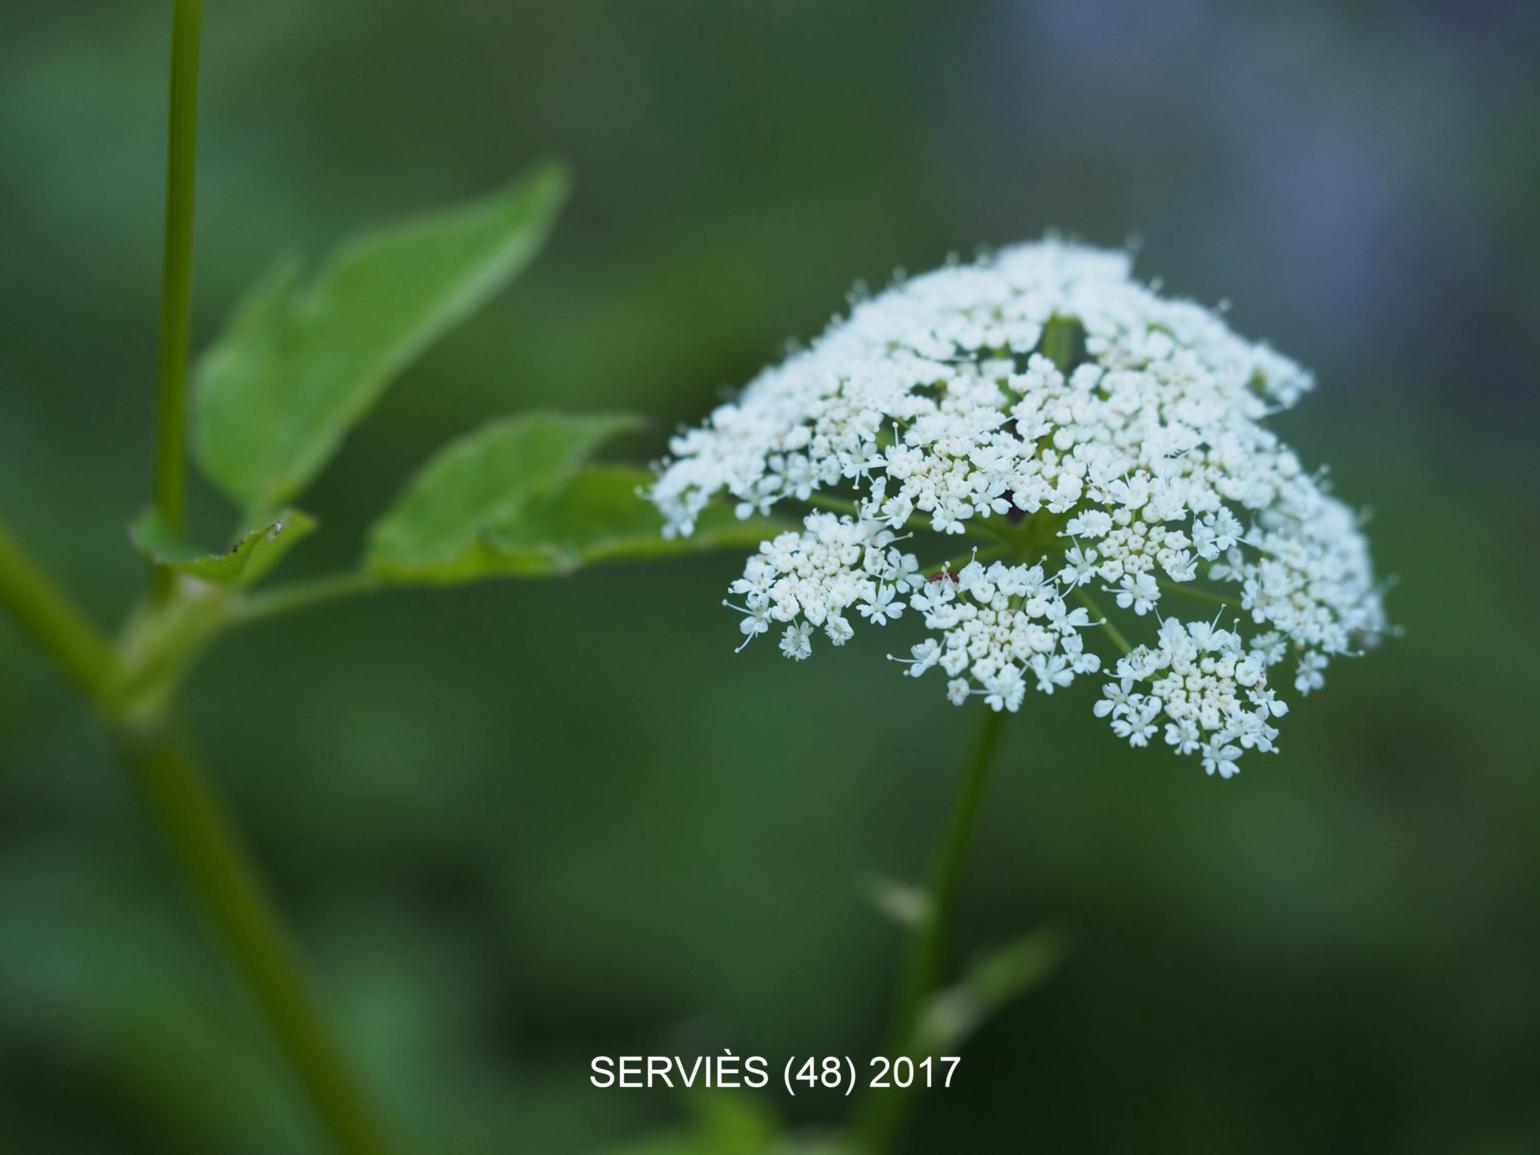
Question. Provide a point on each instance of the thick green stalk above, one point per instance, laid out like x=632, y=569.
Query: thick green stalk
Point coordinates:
x=176, y=280
x=244, y=919
x=884, y=1110
x=207, y=848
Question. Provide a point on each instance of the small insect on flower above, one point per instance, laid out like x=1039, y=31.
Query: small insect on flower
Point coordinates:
x=1089, y=437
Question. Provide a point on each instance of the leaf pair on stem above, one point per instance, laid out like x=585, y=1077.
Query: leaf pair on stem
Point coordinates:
x=304, y=358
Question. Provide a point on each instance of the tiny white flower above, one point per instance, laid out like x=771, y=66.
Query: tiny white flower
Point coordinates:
x=1091, y=523
x=1004, y=690
x=1052, y=672
x=1080, y=566
x=1220, y=759
x=923, y=657
x=1137, y=725
x=1115, y=698
x=1138, y=592
x=881, y=608
x=1309, y=676
x=797, y=641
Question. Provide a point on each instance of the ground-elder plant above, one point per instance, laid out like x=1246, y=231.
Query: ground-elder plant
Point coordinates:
x=1047, y=468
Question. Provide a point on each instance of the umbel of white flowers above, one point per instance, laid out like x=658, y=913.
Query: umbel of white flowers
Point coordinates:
x=1106, y=441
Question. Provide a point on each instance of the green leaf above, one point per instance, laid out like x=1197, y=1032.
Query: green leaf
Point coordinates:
x=481, y=510
x=441, y=524
x=244, y=564
x=302, y=361
x=987, y=987
x=600, y=516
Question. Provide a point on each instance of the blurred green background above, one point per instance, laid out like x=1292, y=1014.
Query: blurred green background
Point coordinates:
x=526, y=824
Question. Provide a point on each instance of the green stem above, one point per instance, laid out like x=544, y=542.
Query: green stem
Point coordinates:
x=176, y=281
x=993, y=553
x=303, y=595
x=1111, y=630
x=830, y=504
x=244, y=919
x=1197, y=594
x=54, y=623
x=208, y=849
x=884, y=1111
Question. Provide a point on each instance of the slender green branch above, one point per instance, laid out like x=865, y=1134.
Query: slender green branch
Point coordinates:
x=833, y=504
x=1111, y=630
x=993, y=553
x=928, y=950
x=1198, y=594
x=995, y=529
x=176, y=282
x=54, y=623
x=244, y=919
x=884, y=1111
x=303, y=595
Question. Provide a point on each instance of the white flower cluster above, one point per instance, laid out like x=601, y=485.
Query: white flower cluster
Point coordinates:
x=1107, y=441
